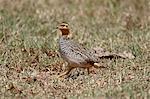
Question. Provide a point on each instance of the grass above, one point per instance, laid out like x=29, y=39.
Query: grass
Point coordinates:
x=30, y=62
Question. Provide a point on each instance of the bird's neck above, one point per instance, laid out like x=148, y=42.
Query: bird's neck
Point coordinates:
x=65, y=31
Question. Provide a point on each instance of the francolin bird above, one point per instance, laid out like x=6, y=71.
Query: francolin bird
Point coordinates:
x=73, y=53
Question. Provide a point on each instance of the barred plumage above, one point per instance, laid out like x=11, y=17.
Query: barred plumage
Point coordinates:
x=73, y=53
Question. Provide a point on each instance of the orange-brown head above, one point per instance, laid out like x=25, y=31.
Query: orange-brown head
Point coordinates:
x=64, y=28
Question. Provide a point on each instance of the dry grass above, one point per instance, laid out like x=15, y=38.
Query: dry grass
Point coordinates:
x=30, y=64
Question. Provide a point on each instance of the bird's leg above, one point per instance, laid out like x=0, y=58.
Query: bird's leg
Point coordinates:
x=68, y=70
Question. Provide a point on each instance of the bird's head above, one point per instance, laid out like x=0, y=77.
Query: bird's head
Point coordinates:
x=64, y=28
